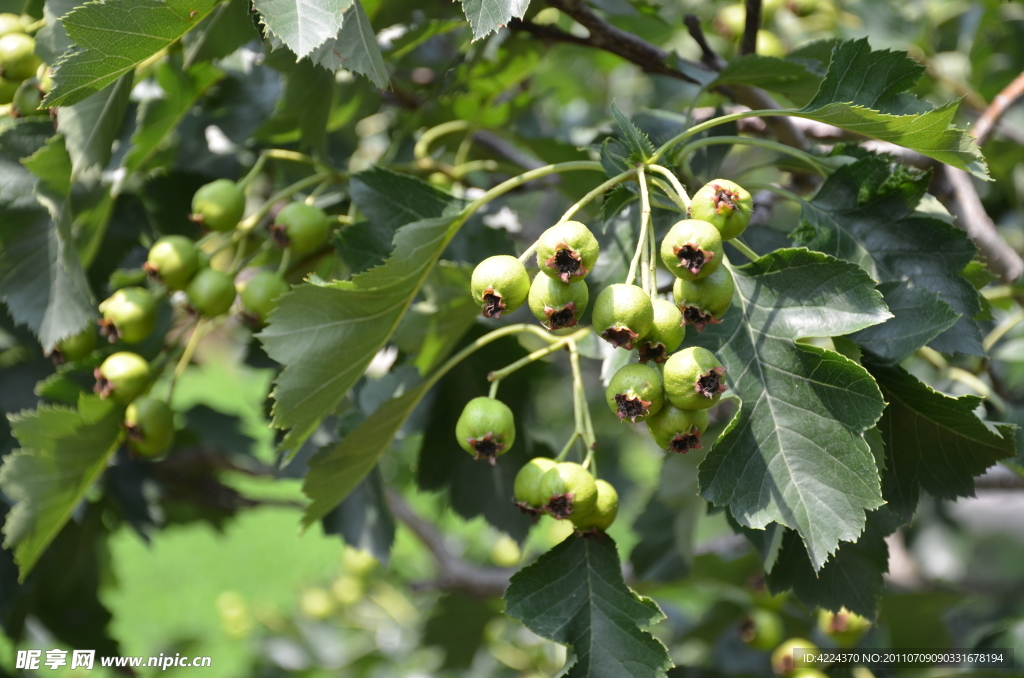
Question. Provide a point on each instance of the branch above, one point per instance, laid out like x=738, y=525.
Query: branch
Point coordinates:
x=999, y=478
x=709, y=56
x=994, y=111
x=753, y=23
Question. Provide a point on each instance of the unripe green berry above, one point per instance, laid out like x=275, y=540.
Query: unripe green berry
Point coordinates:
x=782, y=658
x=666, y=335
x=623, y=314
x=526, y=487
x=556, y=304
x=567, y=251
x=173, y=260
x=210, y=293
x=604, y=512
x=129, y=314
x=150, y=425
x=500, y=284
x=845, y=627
x=703, y=302
x=77, y=346
x=635, y=392
x=27, y=99
x=694, y=379
x=692, y=249
x=678, y=430
x=762, y=629
x=301, y=227
x=10, y=23
x=218, y=205
x=122, y=376
x=725, y=205
x=486, y=428
x=768, y=44
x=569, y=489
x=7, y=90
x=260, y=294
x=17, y=56
x=730, y=20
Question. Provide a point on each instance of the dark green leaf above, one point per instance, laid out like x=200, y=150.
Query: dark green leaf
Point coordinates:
x=302, y=25
x=575, y=595
x=306, y=102
x=615, y=201
x=364, y=520
x=91, y=126
x=794, y=454
x=114, y=37
x=391, y=200
x=457, y=626
x=487, y=16
x=865, y=214
x=920, y=316
x=933, y=442
x=640, y=147
x=789, y=78
x=62, y=453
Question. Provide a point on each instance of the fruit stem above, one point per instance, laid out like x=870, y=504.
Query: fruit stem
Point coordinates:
x=315, y=193
x=250, y=221
x=422, y=148
x=760, y=143
x=1001, y=329
x=525, y=256
x=568, y=446
x=286, y=258
x=652, y=261
x=186, y=356
x=614, y=181
x=714, y=122
x=493, y=393
x=584, y=426
x=556, y=344
x=746, y=251
x=640, y=256
x=281, y=154
x=517, y=181
x=236, y=263
x=670, y=192
x=778, y=190
x=676, y=184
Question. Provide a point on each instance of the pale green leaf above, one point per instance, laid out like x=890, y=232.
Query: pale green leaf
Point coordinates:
x=303, y=25
x=794, y=454
x=487, y=16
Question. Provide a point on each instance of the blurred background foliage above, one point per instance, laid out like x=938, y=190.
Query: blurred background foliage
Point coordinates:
x=199, y=554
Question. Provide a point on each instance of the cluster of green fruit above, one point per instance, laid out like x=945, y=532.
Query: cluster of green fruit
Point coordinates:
x=672, y=396
x=177, y=264
x=763, y=629
x=24, y=79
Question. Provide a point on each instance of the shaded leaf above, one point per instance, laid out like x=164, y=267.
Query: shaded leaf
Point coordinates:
x=794, y=454
x=356, y=49
x=226, y=29
x=575, y=595
x=364, y=520
x=791, y=78
x=922, y=317
x=91, y=126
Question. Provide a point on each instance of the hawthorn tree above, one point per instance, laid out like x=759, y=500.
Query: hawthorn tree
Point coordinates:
x=770, y=254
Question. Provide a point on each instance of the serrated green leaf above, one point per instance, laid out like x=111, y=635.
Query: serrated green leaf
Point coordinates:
x=364, y=520
x=615, y=201
x=794, y=454
x=356, y=48
x=159, y=117
x=790, y=78
x=864, y=91
x=62, y=453
x=640, y=147
x=115, y=36
x=866, y=213
x=41, y=277
x=335, y=329
x=933, y=442
x=52, y=40
x=303, y=25
x=487, y=16
x=921, y=315
x=91, y=126
x=575, y=595
x=852, y=577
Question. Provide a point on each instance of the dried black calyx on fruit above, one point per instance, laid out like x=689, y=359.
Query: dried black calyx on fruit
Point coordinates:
x=486, y=447
x=653, y=351
x=684, y=442
x=494, y=305
x=567, y=261
x=620, y=337
x=710, y=383
x=699, y=319
x=630, y=407
x=560, y=505
x=561, y=317
x=526, y=509
x=692, y=257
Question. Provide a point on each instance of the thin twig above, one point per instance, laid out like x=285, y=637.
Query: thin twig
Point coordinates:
x=709, y=57
x=1001, y=259
x=994, y=111
x=748, y=45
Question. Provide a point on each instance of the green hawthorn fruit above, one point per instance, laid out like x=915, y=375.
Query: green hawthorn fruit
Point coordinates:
x=173, y=260
x=301, y=227
x=569, y=489
x=623, y=314
x=666, y=335
x=486, y=428
x=27, y=99
x=526, y=487
x=694, y=379
x=150, y=425
x=815, y=673
x=567, y=251
x=768, y=44
x=210, y=293
x=762, y=629
x=500, y=284
x=845, y=627
x=77, y=346
x=122, y=376
x=635, y=392
x=725, y=205
x=603, y=514
x=18, y=60
x=783, y=662
x=677, y=430
x=731, y=20
x=692, y=249
x=556, y=304
x=703, y=302
x=7, y=90
x=218, y=205
x=259, y=296
x=129, y=314
x=10, y=23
